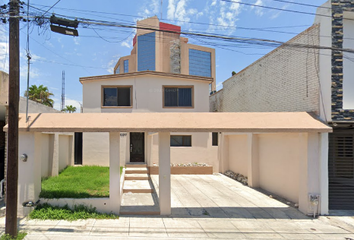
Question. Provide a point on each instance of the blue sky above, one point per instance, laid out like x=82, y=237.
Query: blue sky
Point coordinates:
x=98, y=48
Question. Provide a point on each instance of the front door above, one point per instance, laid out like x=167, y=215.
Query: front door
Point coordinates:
x=137, y=147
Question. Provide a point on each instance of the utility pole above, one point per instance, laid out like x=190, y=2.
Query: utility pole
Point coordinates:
x=12, y=148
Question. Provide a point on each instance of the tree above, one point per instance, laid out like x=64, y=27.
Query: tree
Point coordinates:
x=69, y=109
x=233, y=73
x=40, y=94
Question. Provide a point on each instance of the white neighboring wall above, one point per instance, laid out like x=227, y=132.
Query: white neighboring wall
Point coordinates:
x=348, y=62
x=290, y=165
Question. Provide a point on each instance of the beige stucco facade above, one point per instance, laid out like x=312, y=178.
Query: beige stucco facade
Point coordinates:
x=286, y=158
x=147, y=96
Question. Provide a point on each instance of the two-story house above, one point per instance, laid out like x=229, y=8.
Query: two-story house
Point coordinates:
x=318, y=78
x=163, y=73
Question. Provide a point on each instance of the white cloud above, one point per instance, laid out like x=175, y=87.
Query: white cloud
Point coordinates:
x=258, y=10
x=68, y=102
x=76, y=40
x=219, y=86
x=276, y=13
x=149, y=8
x=227, y=15
x=171, y=9
x=128, y=42
x=112, y=63
x=178, y=10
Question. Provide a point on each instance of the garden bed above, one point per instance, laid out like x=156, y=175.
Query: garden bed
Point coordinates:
x=188, y=168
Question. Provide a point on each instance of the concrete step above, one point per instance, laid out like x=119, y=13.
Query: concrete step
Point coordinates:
x=136, y=176
x=135, y=165
x=137, y=186
x=134, y=170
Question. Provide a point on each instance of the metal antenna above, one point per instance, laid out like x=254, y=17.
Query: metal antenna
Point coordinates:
x=62, y=90
x=161, y=10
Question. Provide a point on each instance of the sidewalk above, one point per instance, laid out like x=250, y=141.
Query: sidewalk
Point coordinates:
x=183, y=228
x=204, y=207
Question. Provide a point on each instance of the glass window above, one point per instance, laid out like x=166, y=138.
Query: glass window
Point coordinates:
x=124, y=96
x=110, y=97
x=181, y=141
x=199, y=63
x=117, y=96
x=215, y=139
x=178, y=97
x=146, y=52
x=126, y=66
x=117, y=70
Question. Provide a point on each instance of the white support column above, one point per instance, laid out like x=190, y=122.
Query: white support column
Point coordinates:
x=164, y=173
x=324, y=173
x=114, y=171
x=253, y=160
x=223, y=152
x=55, y=160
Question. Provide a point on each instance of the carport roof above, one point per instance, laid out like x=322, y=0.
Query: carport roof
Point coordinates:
x=172, y=122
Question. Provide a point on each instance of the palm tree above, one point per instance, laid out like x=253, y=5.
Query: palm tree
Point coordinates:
x=40, y=94
x=69, y=109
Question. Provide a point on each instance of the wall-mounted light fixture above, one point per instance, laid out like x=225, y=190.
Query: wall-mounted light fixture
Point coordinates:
x=24, y=157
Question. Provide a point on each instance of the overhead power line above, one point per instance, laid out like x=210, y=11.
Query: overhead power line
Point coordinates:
x=301, y=4
x=51, y=7
x=254, y=41
x=264, y=29
x=275, y=8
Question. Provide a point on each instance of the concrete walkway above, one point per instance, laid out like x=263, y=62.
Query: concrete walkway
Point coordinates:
x=203, y=207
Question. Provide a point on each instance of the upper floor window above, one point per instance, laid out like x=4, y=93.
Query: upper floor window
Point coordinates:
x=126, y=66
x=199, y=63
x=178, y=96
x=117, y=96
x=146, y=52
x=117, y=70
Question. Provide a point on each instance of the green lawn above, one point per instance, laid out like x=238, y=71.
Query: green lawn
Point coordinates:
x=78, y=182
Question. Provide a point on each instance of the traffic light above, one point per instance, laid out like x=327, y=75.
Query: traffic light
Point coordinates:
x=64, y=26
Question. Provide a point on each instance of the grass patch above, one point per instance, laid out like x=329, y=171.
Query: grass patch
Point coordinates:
x=20, y=236
x=48, y=212
x=78, y=182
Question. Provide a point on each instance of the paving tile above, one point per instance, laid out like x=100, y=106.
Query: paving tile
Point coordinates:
x=109, y=231
x=264, y=235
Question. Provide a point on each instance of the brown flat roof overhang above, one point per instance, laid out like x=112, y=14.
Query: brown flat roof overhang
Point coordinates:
x=172, y=122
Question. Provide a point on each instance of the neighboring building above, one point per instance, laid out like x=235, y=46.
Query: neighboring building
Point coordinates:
x=164, y=50
x=33, y=107
x=308, y=79
x=163, y=74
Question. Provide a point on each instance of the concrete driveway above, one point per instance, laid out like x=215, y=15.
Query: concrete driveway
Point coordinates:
x=203, y=207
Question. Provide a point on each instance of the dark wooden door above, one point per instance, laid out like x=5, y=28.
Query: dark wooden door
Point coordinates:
x=137, y=153
x=78, y=148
